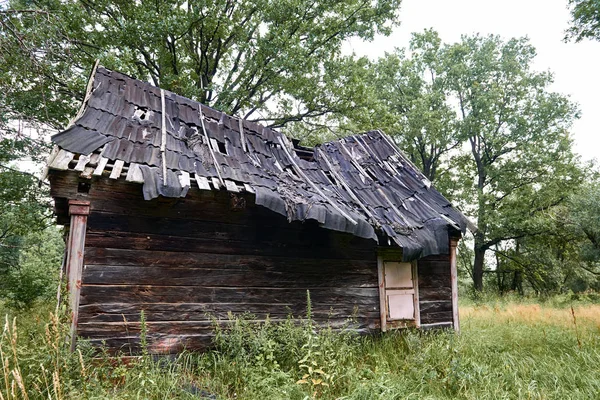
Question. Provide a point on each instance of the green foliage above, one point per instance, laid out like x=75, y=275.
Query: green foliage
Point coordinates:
x=35, y=277
x=585, y=20
x=278, y=61
x=506, y=349
x=584, y=215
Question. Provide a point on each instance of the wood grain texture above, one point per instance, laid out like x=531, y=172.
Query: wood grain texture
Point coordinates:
x=185, y=261
x=435, y=290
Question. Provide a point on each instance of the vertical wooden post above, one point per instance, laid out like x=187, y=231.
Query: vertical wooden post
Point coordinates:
x=79, y=211
x=415, y=278
x=454, y=281
x=382, y=302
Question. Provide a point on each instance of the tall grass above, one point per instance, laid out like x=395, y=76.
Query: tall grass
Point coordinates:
x=506, y=350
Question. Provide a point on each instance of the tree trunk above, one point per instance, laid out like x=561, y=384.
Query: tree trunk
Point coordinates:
x=478, y=266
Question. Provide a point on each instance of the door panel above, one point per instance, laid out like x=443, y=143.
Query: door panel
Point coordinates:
x=401, y=306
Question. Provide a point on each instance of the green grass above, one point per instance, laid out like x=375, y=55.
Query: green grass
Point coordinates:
x=506, y=350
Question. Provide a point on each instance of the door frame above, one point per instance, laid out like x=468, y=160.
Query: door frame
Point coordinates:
x=395, y=255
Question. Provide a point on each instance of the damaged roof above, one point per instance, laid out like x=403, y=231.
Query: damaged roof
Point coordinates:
x=361, y=184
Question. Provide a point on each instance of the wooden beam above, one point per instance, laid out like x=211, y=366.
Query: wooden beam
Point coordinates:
x=454, y=283
x=381, y=284
x=415, y=278
x=79, y=211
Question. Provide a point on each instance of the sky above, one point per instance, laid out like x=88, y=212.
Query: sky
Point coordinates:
x=575, y=65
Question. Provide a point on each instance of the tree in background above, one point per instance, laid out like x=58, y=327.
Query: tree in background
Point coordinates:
x=486, y=128
x=585, y=20
x=278, y=61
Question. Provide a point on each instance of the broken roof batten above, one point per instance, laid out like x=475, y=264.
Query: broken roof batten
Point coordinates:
x=369, y=181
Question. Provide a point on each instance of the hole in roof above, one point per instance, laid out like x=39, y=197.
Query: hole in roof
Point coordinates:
x=371, y=174
x=331, y=178
x=222, y=147
x=142, y=113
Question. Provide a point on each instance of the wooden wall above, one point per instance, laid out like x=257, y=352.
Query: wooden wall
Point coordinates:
x=435, y=290
x=185, y=260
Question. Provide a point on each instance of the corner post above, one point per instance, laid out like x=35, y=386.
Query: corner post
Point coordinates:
x=454, y=282
x=79, y=211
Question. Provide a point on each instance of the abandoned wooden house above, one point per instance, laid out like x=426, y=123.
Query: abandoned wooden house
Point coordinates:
x=185, y=212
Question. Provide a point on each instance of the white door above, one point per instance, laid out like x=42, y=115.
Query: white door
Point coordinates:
x=399, y=292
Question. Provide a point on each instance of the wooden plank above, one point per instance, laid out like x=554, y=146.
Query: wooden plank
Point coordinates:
x=437, y=317
x=117, y=312
x=62, y=160
x=163, y=140
x=116, y=170
x=87, y=173
x=184, y=181
x=211, y=144
x=231, y=186
x=300, y=172
x=92, y=294
x=431, y=294
x=158, y=344
x=223, y=277
x=100, y=167
x=415, y=274
x=268, y=246
x=454, y=283
x=382, y=298
x=202, y=182
x=134, y=173
x=435, y=306
x=216, y=183
x=79, y=210
x=82, y=162
x=231, y=262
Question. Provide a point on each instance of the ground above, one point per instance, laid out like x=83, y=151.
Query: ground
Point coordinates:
x=506, y=350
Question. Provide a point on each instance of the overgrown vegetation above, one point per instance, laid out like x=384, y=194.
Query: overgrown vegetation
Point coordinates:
x=507, y=349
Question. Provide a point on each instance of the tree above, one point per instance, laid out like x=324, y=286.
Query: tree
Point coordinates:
x=486, y=129
x=414, y=93
x=585, y=218
x=520, y=161
x=268, y=60
x=585, y=20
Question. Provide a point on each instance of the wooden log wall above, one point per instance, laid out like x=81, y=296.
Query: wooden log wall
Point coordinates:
x=435, y=291
x=186, y=260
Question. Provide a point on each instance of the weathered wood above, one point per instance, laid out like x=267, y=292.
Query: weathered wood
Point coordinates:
x=126, y=328
x=158, y=276
x=61, y=160
x=184, y=181
x=454, y=281
x=100, y=167
x=434, y=280
x=91, y=294
x=82, y=162
x=435, y=306
x=147, y=241
x=116, y=170
x=202, y=182
x=231, y=186
x=443, y=316
x=286, y=234
x=210, y=310
x=134, y=174
x=79, y=210
x=417, y=305
x=431, y=294
x=157, y=343
x=381, y=290
x=174, y=259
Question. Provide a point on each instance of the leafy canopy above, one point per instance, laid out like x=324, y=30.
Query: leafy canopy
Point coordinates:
x=270, y=60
